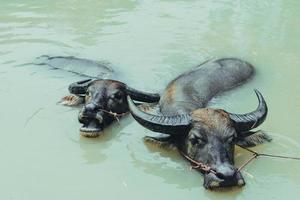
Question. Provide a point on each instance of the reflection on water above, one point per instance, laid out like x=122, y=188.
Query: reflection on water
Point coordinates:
x=164, y=163
x=91, y=153
x=149, y=43
x=91, y=147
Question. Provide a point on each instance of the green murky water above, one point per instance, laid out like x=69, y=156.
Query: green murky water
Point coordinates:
x=42, y=155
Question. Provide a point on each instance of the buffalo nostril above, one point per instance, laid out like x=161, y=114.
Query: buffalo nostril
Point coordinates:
x=87, y=111
x=89, y=107
x=220, y=175
x=225, y=172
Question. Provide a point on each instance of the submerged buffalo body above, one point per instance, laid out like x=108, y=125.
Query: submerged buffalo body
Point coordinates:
x=206, y=135
x=80, y=66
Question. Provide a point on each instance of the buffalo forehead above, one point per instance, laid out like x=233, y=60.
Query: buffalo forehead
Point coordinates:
x=97, y=84
x=212, y=118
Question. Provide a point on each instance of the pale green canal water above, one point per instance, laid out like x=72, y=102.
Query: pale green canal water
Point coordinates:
x=42, y=155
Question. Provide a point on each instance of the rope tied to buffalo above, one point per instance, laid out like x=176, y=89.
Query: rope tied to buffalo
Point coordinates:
x=256, y=155
x=207, y=169
x=198, y=165
x=204, y=167
x=115, y=115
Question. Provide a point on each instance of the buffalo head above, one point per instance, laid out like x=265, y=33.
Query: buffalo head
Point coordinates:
x=208, y=136
x=103, y=98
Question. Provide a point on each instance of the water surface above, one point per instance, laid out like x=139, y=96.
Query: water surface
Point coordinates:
x=149, y=42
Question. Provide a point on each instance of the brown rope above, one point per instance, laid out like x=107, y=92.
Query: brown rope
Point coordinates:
x=208, y=169
x=115, y=115
x=198, y=165
x=256, y=155
x=248, y=161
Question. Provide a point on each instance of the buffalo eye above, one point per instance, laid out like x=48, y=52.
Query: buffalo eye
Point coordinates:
x=197, y=140
x=118, y=95
x=87, y=95
x=193, y=140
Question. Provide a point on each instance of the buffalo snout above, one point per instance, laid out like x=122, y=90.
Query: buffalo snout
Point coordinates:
x=224, y=176
x=90, y=107
x=92, y=119
x=225, y=171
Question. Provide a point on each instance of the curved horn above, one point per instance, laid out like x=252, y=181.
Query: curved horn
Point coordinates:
x=79, y=87
x=165, y=124
x=142, y=96
x=246, y=122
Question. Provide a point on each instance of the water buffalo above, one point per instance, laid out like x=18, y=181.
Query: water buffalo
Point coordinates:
x=104, y=100
x=206, y=135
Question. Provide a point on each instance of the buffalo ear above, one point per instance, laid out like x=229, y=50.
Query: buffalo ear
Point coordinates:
x=253, y=139
x=72, y=100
